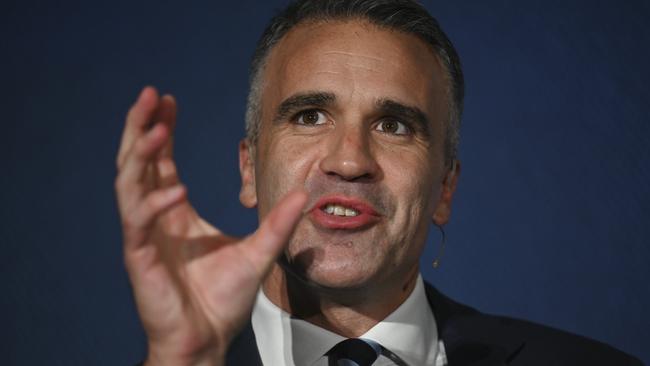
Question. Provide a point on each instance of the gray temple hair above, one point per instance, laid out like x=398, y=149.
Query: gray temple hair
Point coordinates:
x=406, y=16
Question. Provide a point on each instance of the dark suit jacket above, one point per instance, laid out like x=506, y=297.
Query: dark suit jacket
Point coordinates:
x=477, y=339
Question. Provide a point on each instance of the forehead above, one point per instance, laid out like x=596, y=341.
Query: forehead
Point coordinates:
x=357, y=61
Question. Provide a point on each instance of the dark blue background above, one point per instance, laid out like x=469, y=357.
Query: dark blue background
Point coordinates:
x=551, y=221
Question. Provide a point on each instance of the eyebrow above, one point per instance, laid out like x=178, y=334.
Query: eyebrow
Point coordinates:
x=302, y=100
x=402, y=111
x=384, y=106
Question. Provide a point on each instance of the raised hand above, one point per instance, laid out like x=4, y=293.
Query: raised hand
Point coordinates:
x=194, y=286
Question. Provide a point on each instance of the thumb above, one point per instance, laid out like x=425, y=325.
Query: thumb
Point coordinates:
x=264, y=246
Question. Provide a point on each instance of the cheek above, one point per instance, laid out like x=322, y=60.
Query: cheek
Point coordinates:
x=412, y=179
x=416, y=192
x=283, y=167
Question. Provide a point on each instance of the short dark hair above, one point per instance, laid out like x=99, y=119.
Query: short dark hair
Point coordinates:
x=406, y=16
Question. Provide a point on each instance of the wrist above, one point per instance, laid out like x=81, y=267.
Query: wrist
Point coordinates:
x=211, y=357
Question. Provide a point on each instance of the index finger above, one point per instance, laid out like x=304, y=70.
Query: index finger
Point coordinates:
x=137, y=120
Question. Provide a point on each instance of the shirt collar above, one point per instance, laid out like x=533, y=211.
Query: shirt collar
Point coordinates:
x=284, y=340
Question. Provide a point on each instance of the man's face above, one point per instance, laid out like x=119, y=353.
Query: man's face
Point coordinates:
x=353, y=114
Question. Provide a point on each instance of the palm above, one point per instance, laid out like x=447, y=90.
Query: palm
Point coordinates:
x=197, y=283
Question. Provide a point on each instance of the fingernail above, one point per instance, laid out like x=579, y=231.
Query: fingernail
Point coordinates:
x=145, y=90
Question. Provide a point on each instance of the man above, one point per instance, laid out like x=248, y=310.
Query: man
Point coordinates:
x=352, y=128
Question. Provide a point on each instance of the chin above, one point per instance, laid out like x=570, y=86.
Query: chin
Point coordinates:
x=339, y=275
x=335, y=260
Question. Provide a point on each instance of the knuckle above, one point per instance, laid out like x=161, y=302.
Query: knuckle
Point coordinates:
x=139, y=148
x=132, y=220
x=128, y=222
x=152, y=202
x=120, y=182
x=143, y=146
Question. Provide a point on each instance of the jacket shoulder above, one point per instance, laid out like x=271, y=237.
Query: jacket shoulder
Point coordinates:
x=471, y=336
x=540, y=344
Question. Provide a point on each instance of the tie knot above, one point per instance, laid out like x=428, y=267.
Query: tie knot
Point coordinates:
x=354, y=352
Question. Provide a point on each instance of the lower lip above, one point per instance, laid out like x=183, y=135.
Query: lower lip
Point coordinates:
x=323, y=219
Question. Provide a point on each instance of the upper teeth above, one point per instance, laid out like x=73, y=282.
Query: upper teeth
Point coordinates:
x=339, y=210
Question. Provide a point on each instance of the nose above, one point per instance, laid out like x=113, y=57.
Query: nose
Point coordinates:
x=349, y=156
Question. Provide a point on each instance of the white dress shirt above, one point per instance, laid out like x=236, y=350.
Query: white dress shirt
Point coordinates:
x=410, y=332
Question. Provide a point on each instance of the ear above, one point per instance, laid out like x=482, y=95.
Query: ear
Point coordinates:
x=248, y=192
x=443, y=210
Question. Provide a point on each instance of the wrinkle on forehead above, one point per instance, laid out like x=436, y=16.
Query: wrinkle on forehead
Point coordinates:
x=362, y=61
x=354, y=54
x=328, y=72
x=373, y=63
x=341, y=61
x=362, y=67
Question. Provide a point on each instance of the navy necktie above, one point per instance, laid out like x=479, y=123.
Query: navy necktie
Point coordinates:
x=359, y=352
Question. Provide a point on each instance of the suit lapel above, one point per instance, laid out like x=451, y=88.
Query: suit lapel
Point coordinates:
x=243, y=349
x=470, y=337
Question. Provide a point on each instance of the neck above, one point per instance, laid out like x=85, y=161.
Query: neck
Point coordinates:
x=349, y=312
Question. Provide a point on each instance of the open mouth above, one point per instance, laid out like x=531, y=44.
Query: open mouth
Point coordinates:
x=339, y=210
x=343, y=212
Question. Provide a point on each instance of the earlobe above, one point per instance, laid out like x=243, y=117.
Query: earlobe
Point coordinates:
x=248, y=192
x=443, y=210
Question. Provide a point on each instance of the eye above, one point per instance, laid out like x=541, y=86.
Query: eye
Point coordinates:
x=311, y=117
x=393, y=127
